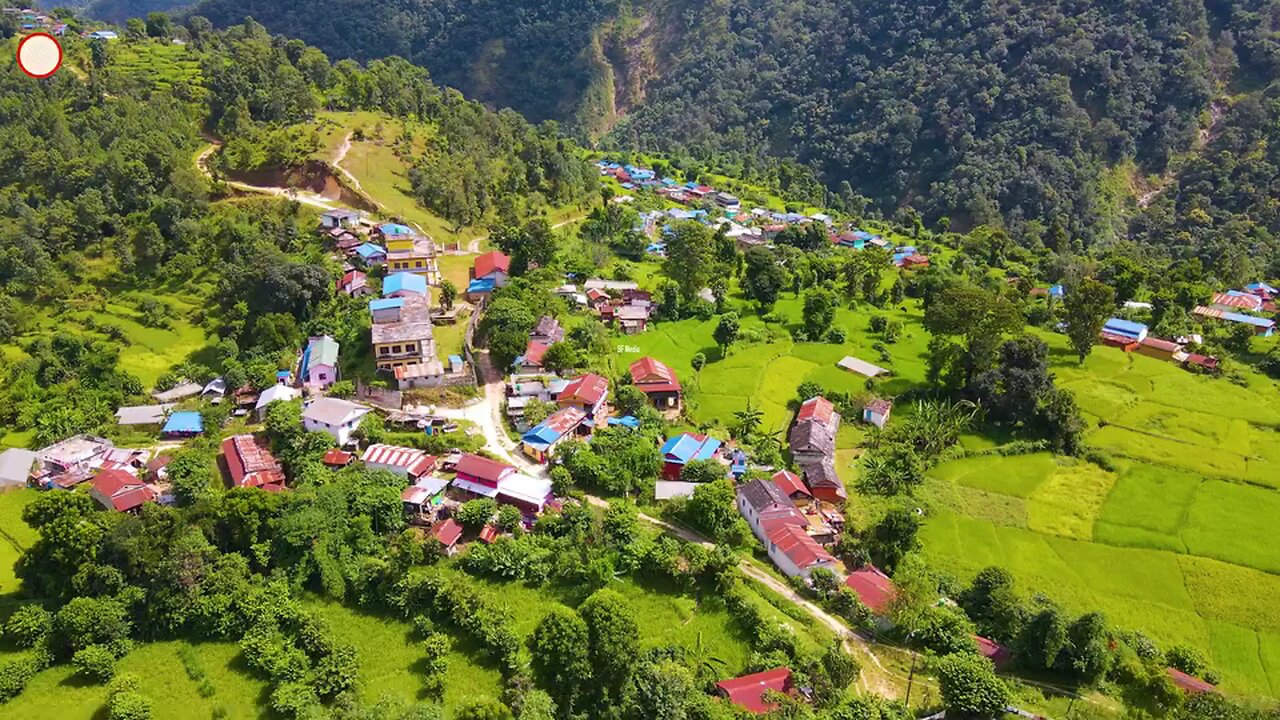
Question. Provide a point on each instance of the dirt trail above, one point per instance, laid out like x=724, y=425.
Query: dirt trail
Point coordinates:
x=304, y=197
x=1217, y=111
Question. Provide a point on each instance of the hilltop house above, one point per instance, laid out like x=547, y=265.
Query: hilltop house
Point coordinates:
x=813, y=436
x=319, y=367
x=587, y=393
x=118, y=490
x=69, y=462
x=685, y=448
x=490, y=478
x=541, y=440
x=410, y=253
x=796, y=553
x=1124, y=334
x=658, y=382
x=251, y=464
x=339, y=218
x=407, y=462
x=371, y=254
x=338, y=418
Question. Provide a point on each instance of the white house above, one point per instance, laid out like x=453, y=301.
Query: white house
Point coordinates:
x=796, y=554
x=283, y=393
x=338, y=418
x=765, y=507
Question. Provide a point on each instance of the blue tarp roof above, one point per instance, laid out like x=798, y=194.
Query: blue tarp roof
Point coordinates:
x=625, y=421
x=685, y=448
x=404, y=282
x=481, y=285
x=385, y=303
x=455, y=359
x=369, y=250
x=283, y=373
x=1119, y=326
x=395, y=229
x=1260, y=286
x=1057, y=291
x=186, y=421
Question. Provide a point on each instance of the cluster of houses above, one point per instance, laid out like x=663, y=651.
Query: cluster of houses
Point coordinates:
x=1131, y=336
x=32, y=20
x=1250, y=307
x=120, y=479
x=395, y=246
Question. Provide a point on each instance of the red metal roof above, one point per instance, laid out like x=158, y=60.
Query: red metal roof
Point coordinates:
x=998, y=654
x=110, y=482
x=489, y=262
x=873, y=587
x=790, y=483
x=748, y=691
x=1189, y=683
x=801, y=549
x=816, y=408
x=1247, y=302
x=393, y=456
x=647, y=372
x=337, y=457
x=1159, y=344
x=124, y=491
x=447, y=532
x=564, y=420
x=533, y=353
x=482, y=468
x=250, y=462
x=488, y=534
x=588, y=389
x=1203, y=361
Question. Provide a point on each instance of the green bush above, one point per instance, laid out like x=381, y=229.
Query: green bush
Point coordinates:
x=95, y=662
x=28, y=625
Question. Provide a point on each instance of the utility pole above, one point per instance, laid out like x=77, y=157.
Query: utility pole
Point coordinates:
x=910, y=679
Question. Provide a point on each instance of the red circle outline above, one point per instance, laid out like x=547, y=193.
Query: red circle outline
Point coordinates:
x=55, y=44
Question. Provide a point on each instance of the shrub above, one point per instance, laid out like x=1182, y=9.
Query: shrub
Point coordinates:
x=95, y=662
x=14, y=676
x=28, y=626
x=836, y=336
x=475, y=513
x=1187, y=659
x=129, y=706
x=293, y=699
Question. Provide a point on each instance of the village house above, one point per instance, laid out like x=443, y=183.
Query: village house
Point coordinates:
x=587, y=393
x=178, y=392
x=251, y=464
x=631, y=319
x=658, y=382
x=1158, y=348
x=143, y=415
x=118, y=490
x=354, y=283
x=344, y=241
x=796, y=553
x=860, y=367
x=406, y=462
x=875, y=590
x=483, y=477
x=682, y=449
x=540, y=441
x=426, y=374
x=813, y=436
x=489, y=272
x=547, y=331
x=411, y=253
x=670, y=489
x=16, y=465
x=403, y=284
x=1233, y=300
x=823, y=481
x=423, y=497
x=69, y=462
x=275, y=393
x=999, y=655
x=1189, y=684
x=766, y=507
x=339, y=219
x=183, y=424
x=1124, y=334
x=371, y=254
x=749, y=691
x=319, y=366
x=337, y=459
x=338, y=418
x=448, y=533
x=792, y=486
x=877, y=412
x=402, y=333
x=1261, y=326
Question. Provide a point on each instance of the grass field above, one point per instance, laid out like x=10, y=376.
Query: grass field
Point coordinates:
x=15, y=535
x=161, y=64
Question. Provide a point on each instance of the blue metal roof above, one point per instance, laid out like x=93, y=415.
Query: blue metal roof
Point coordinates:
x=1129, y=328
x=1248, y=319
x=386, y=303
x=369, y=250
x=404, y=282
x=685, y=448
x=455, y=359
x=186, y=421
x=540, y=435
x=1057, y=290
x=625, y=421
x=395, y=229
x=481, y=285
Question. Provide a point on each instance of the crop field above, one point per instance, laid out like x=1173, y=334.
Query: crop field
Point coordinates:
x=1177, y=542
x=161, y=64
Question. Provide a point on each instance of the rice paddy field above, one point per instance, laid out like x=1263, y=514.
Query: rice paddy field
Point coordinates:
x=161, y=64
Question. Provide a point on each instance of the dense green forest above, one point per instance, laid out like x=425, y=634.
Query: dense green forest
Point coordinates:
x=979, y=112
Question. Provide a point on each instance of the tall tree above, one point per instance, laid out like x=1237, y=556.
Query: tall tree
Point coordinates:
x=689, y=259
x=560, y=647
x=1087, y=305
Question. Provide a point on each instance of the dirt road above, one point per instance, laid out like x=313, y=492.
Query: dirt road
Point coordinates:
x=304, y=197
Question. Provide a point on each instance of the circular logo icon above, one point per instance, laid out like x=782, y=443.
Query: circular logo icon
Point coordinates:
x=39, y=55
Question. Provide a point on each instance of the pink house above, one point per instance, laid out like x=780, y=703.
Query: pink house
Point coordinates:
x=320, y=362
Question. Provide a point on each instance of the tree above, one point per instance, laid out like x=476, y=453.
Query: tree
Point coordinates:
x=560, y=647
x=892, y=538
x=484, y=709
x=702, y=471
x=1089, y=656
x=748, y=420
x=96, y=662
x=699, y=360
x=712, y=509
x=614, y=643
x=473, y=514
x=970, y=688
x=1087, y=306
x=726, y=332
x=764, y=277
x=819, y=311
x=993, y=604
x=561, y=356
x=689, y=259
x=448, y=294
x=979, y=319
